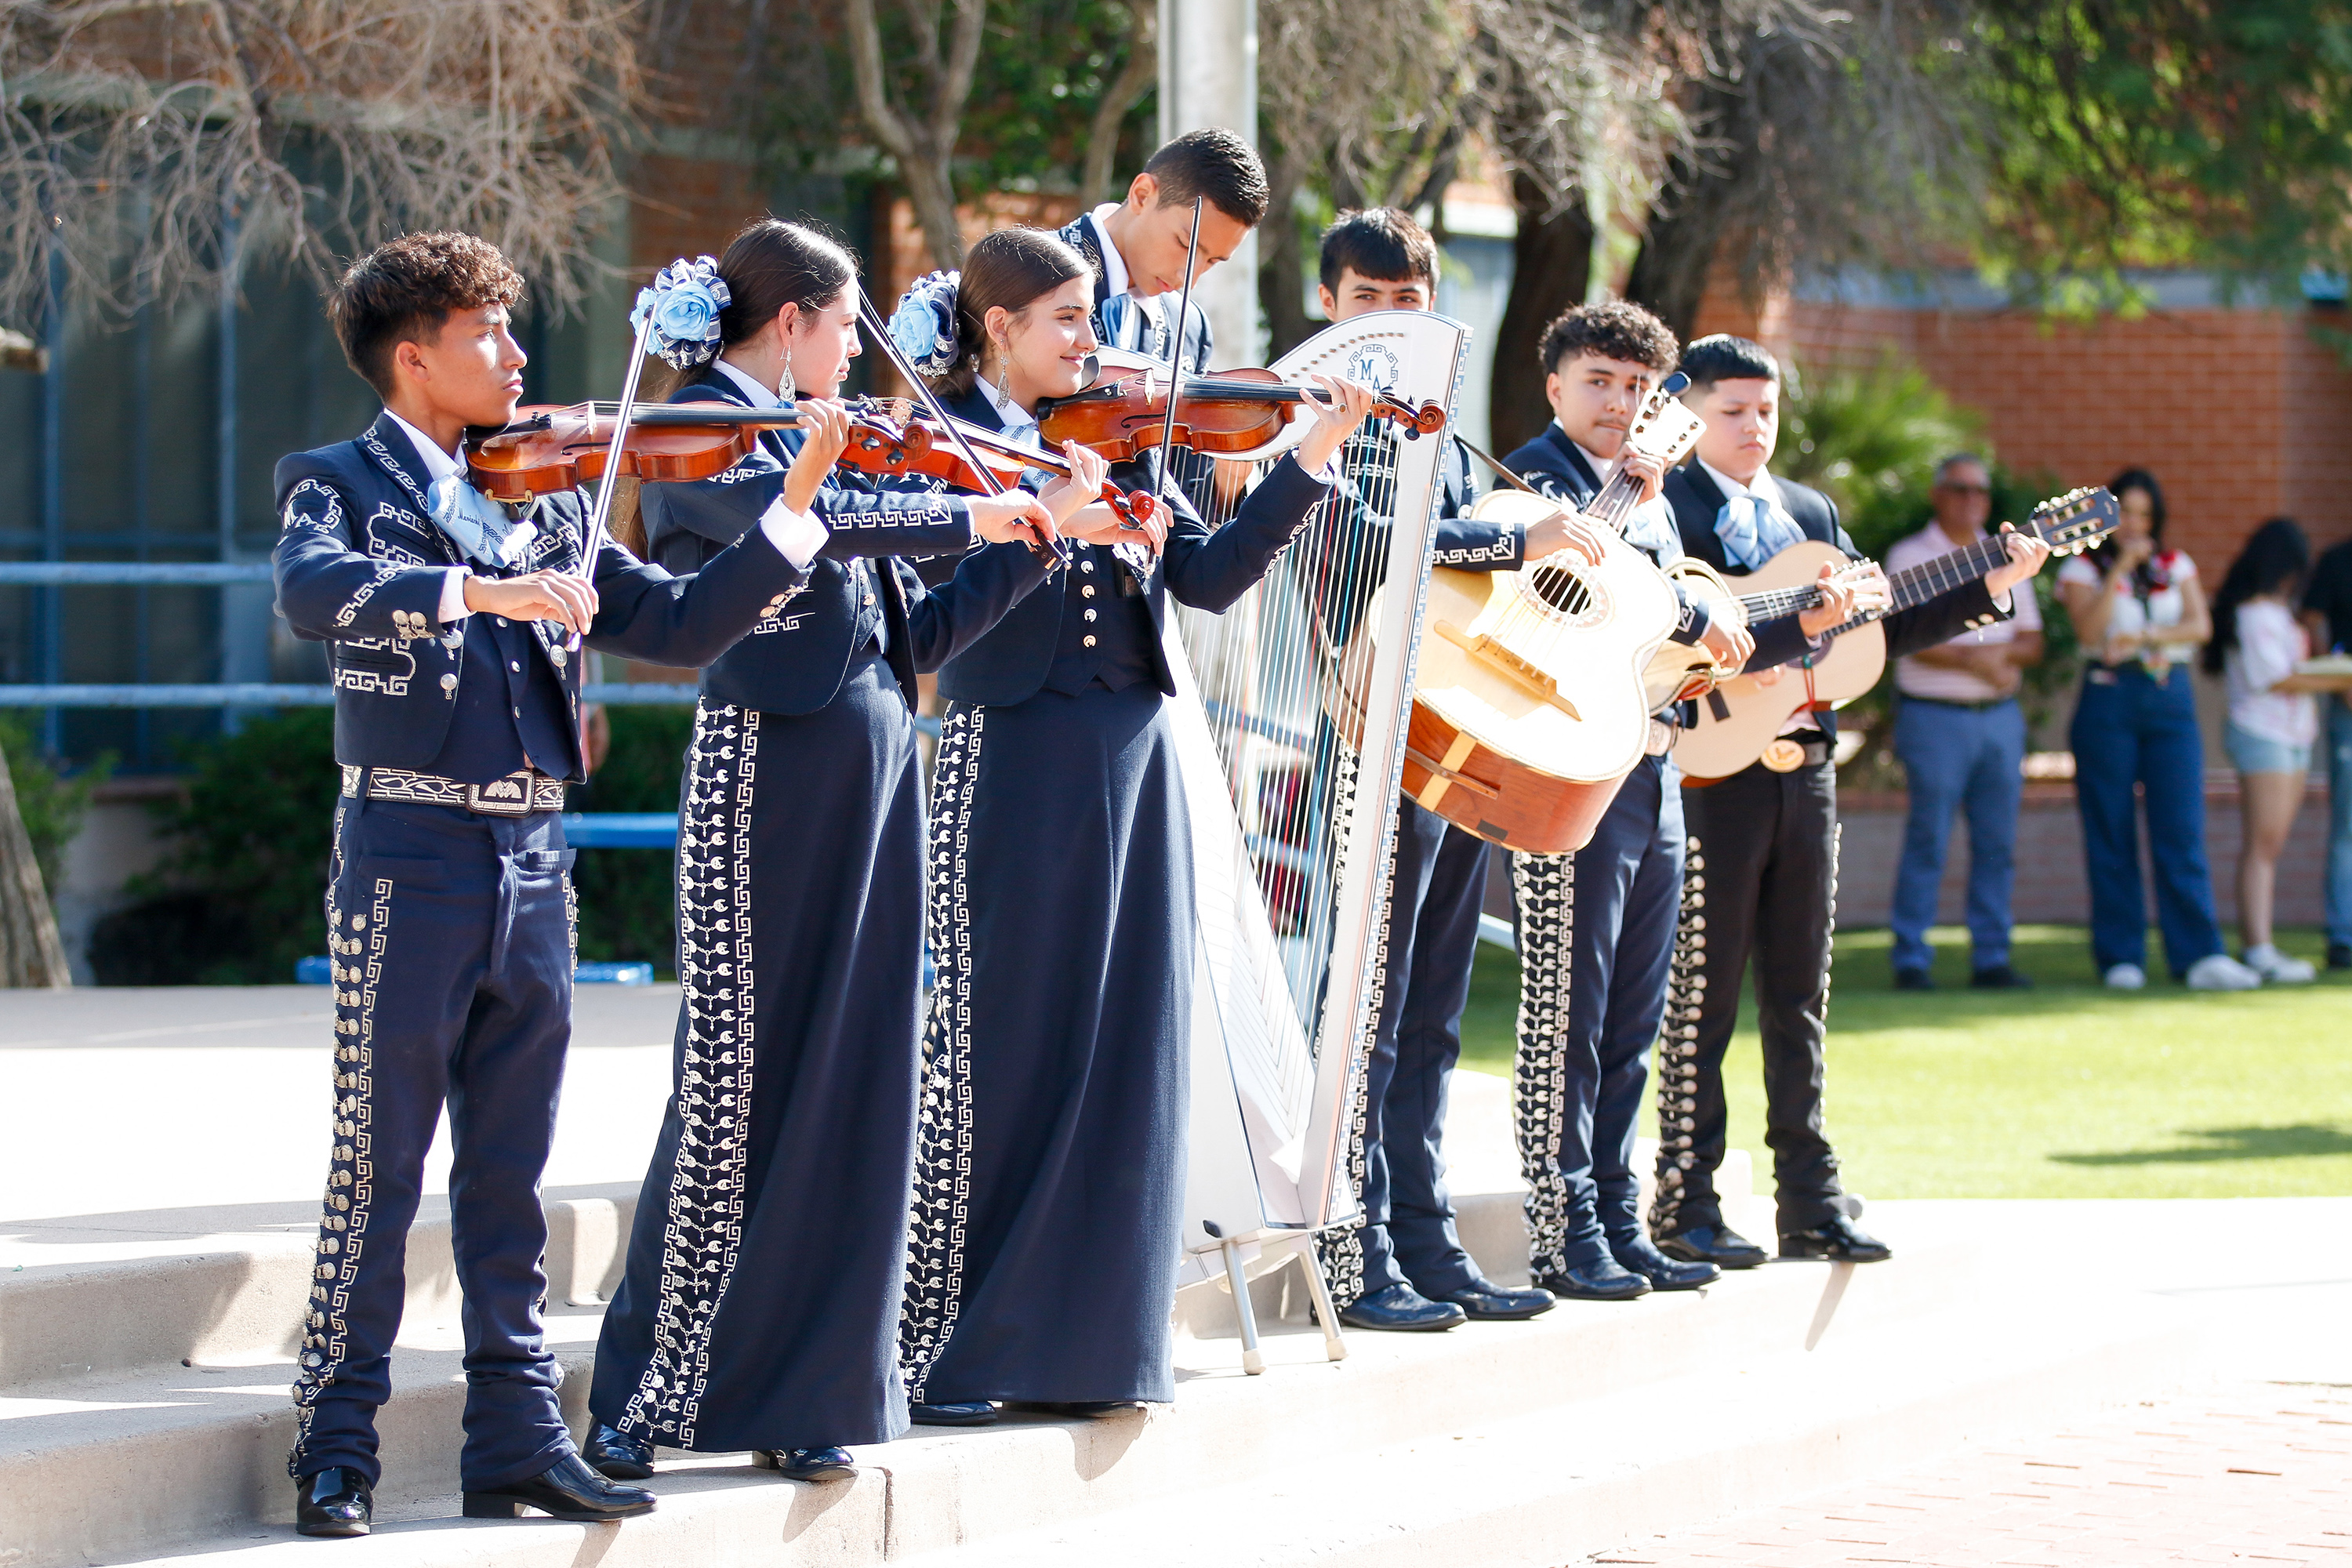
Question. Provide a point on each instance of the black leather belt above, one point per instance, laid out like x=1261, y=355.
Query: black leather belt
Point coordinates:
x=517, y=794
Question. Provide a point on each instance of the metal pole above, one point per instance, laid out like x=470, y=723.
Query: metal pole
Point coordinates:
x=1208, y=76
x=50, y=650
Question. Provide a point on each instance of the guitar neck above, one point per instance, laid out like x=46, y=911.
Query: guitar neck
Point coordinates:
x=1911, y=587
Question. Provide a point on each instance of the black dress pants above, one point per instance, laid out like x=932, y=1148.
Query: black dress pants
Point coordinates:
x=1761, y=878
x=1436, y=886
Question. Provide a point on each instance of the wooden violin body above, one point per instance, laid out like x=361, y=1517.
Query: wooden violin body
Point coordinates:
x=546, y=448
x=1242, y=415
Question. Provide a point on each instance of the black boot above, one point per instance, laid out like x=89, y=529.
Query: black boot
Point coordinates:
x=959, y=1412
x=568, y=1490
x=617, y=1457
x=334, y=1501
x=806, y=1464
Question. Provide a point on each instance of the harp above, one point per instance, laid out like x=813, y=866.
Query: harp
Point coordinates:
x=1291, y=719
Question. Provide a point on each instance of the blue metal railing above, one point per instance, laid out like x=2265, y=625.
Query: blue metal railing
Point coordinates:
x=141, y=573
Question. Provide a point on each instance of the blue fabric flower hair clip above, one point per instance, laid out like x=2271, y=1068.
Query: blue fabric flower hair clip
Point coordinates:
x=924, y=324
x=685, y=301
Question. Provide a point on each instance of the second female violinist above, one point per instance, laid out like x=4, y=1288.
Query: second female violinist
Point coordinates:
x=760, y=1305
x=1049, y=1183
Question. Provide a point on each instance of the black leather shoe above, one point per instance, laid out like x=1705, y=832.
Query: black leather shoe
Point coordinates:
x=334, y=1501
x=1606, y=1280
x=1664, y=1273
x=1489, y=1302
x=806, y=1464
x=1913, y=979
x=2339, y=955
x=1403, y=1308
x=964, y=1413
x=1091, y=1409
x=1839, y=1240
x=1716, y=1244
x=567, y=1488
x=2000, y=977
x=617, y=1457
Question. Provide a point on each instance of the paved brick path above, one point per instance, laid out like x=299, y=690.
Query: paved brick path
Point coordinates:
x=2259, y=1474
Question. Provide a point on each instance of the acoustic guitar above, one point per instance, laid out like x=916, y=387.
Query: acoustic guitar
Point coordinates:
x=1529, y=703
x=1738, y=722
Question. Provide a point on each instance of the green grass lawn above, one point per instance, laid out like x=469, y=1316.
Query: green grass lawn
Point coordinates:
x=2066, y=1090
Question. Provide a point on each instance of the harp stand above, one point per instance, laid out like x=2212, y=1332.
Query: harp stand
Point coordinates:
x=1299, y=1246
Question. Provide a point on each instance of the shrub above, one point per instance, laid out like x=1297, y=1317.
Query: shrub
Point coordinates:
x=52, y=804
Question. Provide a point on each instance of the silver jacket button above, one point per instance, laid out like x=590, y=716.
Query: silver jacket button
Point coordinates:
x=1090, y=642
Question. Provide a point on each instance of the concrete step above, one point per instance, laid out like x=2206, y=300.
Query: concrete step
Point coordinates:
x=101, y=1295
x=209, y=1442
x=1500, y=1443
x=1549, y=1487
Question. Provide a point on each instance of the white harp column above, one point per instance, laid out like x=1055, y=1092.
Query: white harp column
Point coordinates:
x=1208, y=76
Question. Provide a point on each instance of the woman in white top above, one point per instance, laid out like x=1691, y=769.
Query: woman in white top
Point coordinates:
x=2257, y=642
x=2140, y=615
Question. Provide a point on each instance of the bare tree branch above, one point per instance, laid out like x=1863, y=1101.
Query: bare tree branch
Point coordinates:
x=1136, y=78
x=152, y=145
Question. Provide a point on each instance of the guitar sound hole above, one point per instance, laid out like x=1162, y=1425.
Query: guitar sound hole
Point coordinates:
x=1563, y=591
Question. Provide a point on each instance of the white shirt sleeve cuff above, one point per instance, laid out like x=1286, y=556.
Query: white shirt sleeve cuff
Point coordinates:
x=797, y=535
x=2005, y=601
x=453, y=596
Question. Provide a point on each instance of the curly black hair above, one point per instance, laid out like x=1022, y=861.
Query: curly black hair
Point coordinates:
x=1609, y=329
x=404, y=289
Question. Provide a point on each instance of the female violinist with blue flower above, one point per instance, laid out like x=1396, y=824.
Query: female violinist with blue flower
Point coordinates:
x=760, y=1298
x=1050, y=1180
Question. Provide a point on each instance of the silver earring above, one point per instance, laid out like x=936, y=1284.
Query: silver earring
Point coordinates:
x=784, y=388
x=1003, y=373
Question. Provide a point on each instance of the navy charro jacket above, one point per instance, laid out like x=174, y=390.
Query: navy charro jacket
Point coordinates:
x=795, y=661
x=1698, y=501
x=1207, y=569
x=361, y=565
x=1079, y=235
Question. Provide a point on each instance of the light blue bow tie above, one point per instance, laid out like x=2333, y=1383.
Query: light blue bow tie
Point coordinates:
x=475, y=523
x=1753, y=532
x=1129, y=324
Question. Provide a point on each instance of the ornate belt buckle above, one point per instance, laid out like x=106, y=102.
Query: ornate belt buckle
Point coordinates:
x=1783, y=755
x=508, y=796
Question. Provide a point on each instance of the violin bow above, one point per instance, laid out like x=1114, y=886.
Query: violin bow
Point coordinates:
x=592, y=542
x=1176, y=360
x=1057, y=549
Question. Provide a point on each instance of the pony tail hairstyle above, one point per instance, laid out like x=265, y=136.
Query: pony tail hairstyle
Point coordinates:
x=1011, y=268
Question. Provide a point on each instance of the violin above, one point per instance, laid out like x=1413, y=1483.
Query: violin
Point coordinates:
x=1240, y=414
x=546, y=448
x=942, y=458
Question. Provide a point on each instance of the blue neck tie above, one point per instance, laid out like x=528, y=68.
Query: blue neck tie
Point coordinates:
x=473, y=523
x=1753, y=532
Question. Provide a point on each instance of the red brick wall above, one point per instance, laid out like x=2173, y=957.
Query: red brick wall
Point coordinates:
x=2240, y=413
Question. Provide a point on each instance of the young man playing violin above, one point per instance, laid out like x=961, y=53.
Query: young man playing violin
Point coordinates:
x=1139, y=246
x=1762, y=851
x=1411, y=1271
x=1596, y=928
x=454, y=627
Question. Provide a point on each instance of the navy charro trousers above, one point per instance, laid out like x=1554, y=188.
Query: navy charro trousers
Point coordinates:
x=1436, y=886
x=1596, y=945
x=451, y=934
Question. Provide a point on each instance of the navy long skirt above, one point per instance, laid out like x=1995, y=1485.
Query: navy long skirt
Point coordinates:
x=760, y=1305
x=1048, y=1192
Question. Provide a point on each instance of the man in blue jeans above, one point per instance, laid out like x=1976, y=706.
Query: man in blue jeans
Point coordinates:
x=2328, y=612
x=1961, y=738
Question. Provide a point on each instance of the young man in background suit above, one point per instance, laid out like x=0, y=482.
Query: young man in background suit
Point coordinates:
x=1414, y=1273
x=1763, y=845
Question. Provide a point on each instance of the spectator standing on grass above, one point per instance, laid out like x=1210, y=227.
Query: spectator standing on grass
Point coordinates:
x=2256, y=645
x=2327, y=615
x=2139, y=612
x=1960, y=734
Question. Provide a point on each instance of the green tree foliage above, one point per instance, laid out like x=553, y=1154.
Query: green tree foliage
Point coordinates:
x=2164, y=133
x=242, y=895
x=51, y=803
